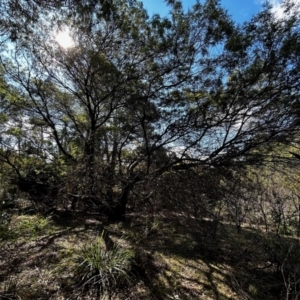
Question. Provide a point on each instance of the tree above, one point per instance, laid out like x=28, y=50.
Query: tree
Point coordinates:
x=137, y=97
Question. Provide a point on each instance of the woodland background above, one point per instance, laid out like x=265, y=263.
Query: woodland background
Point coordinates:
x=154, y=157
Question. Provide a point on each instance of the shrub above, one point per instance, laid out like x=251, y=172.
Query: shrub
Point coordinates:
x=101, y=268
x=283, y=253
x=30, y=227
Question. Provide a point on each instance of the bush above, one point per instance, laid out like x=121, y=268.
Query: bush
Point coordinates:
x=30, y=227
x=283, y=253
x=103, y=269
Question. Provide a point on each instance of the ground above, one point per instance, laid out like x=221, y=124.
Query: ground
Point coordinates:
x=174, y=258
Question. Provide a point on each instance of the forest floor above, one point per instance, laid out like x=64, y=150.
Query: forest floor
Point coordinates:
x=178, y=258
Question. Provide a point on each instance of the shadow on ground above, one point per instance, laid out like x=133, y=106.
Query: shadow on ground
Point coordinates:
x=175, y=258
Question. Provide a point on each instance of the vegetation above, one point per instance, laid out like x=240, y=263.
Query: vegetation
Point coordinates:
x=104, y=268
x=150, y=157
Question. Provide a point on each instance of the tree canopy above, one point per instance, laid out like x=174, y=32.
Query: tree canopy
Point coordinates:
x=137, y=97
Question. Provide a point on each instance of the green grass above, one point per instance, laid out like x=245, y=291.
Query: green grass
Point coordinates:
x=102, y=268
x=30, y=227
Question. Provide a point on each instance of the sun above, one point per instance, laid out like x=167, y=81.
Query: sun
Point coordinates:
x=64, y=39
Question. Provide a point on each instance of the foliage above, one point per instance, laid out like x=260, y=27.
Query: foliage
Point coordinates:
x=284, y=255
x=30, y=227
x=6, y=233
x=103, y=269
x=137, y=96
x=190, y=116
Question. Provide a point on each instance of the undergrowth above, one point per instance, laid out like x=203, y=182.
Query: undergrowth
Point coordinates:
x=164, y=258
x=102, y=269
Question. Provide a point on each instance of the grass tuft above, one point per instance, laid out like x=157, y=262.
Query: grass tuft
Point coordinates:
x=101, y=268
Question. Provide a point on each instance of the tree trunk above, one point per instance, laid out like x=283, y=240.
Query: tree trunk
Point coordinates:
x=117, y=213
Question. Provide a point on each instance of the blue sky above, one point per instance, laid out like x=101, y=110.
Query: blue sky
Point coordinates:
x=240, y=10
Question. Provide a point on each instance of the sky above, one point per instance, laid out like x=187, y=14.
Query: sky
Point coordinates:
x=240, y=10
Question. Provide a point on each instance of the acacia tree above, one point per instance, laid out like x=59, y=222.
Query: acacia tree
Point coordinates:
x=136, y=96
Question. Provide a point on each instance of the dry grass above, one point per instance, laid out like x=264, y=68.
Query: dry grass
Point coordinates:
x=175, y=258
